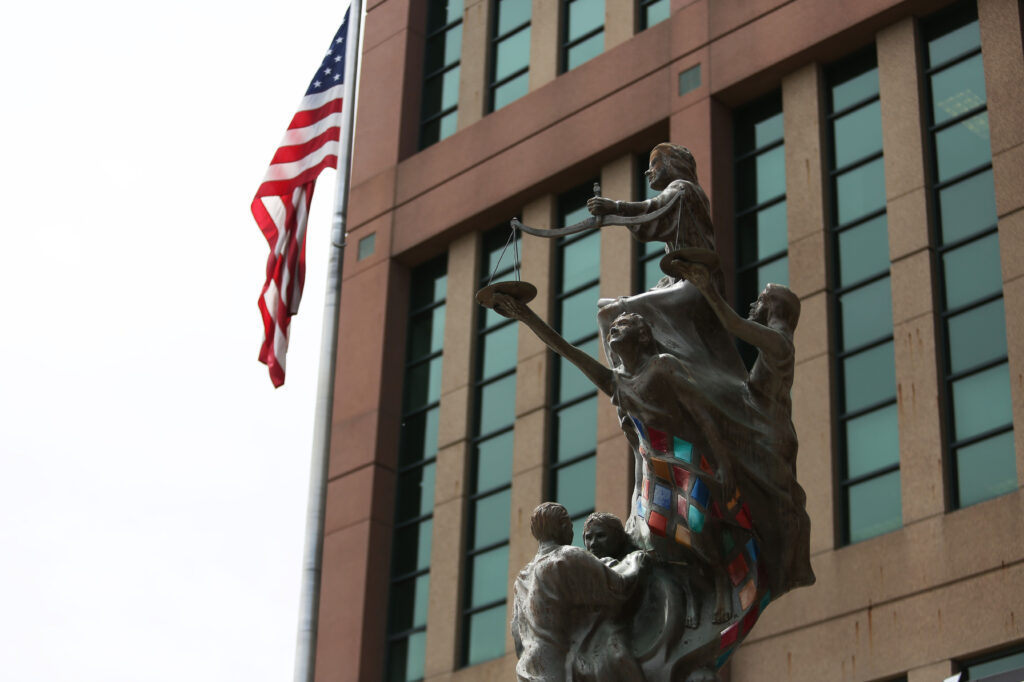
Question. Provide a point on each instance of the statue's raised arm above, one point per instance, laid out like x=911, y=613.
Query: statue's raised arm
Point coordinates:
x=509, y=299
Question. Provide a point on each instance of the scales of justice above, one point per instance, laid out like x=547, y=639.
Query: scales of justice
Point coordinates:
x=717, y=527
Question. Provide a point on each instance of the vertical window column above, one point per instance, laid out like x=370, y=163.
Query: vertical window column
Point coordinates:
x=582, y=31
x=761, y=234
x=510, y=52
x=439, y=114
x=490, y=469
x=572, y=466
x=868, y=438
x=979, y=416
x=417, y=457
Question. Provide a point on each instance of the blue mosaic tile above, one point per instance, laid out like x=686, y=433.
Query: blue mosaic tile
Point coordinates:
x=752, y=549
x=662, y=496
x=700, y=493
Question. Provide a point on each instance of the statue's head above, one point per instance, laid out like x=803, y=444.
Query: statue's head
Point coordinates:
x=776, y=303
x=631, y=330
x=551, y=523
x=670, y=162
x=604, y=536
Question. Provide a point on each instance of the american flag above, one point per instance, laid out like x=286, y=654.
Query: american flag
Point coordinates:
x=281, y=204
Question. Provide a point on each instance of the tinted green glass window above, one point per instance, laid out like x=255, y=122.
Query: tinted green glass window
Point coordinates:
x=405, y=658
x=868, y=377
x=409, y=603
x=963, y=146
x=863, y=251
x=490, y=573
x=977, y=389
x=510, y=52
x=958, y=89
x=967, y=207
x=972, y=271
x=866, y=314
x=582, y=31
x=576, y=429
x=411, y=550
x=653, y=12
x=583, y=17
x=571, y=382
x=858, y=134
x=986, y=469
x=579, y=314
x=419, y=437
x=976, y=336
x=580, y=261
x=512, y=14
x=415, y=495
x=950, y=45
x=423, y=383
x=513, y=54
x=439, y=113
x=856, y=82
x=760, y=191
x=762, y=177
x=862, y=303
x=574, y=485
x=498, y=350
x=494, y=462
x=511, y=90
x=860, y=191
x=1000, y=664
x=875, y=507
x=981, y=402
x=763, y=233
x=488, y=635
x=491, y=519
x=874, y=438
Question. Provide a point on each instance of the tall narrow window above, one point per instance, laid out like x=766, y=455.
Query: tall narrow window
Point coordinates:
x=439, y=114
x=572, y=475
x=417, y=456
x=649, y=254
x=653, y=12
x=869, y=455
x=582, y=31
x=510, y=52
x=979, y=418
x=761, y=238
x=490, y=467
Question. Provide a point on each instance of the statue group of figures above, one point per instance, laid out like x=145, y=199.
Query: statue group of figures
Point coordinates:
x=717, y=527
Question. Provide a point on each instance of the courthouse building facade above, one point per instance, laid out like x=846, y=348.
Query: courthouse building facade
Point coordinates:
x=868, y=154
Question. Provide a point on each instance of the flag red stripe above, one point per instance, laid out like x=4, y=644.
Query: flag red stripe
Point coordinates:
x=297, y=152
x=308, y=118
x=281, y=187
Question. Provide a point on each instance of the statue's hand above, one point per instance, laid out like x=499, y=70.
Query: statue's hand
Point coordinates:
x=600, y=206
x=509, y=307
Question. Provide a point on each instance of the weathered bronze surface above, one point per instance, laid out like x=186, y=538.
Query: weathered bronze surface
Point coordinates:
x=717, y=527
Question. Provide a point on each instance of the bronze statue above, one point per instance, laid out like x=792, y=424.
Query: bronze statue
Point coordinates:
x=715, y=503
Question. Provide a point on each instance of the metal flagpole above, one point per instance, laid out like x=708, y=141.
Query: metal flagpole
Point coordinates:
x=309, y=604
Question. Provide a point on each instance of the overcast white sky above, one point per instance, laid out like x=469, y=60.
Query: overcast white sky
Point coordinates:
x=152, y=482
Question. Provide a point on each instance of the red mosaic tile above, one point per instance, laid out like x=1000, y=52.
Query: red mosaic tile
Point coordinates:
x=657, y=523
